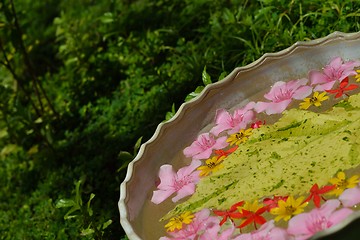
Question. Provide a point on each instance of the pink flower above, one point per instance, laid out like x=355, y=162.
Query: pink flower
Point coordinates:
x=268, y=231
x=233, y=123
x=350, y=197
x=183, y=182
x=336, y=70
x=196, y=228
x=203, y=146
x=213, y=232
x=281, y=95
x=304, y=225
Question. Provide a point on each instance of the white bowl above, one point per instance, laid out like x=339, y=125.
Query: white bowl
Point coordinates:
x=197, y=115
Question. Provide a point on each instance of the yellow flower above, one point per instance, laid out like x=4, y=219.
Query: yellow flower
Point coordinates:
x=291, y=207
x=251, y=207
x=342, y=183
x=212, y=165
x=177, y=222
x=240, y=137
x=315, y=100
x=357, y=76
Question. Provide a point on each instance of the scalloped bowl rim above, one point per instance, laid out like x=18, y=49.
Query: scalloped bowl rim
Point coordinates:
x=192, y=104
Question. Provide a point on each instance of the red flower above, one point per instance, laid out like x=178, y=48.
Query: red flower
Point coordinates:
x=273, y=202
x=315, y=193
x=342, y=88
x=257, y=124
x=221, y=152
x=252, y=214
x=231, y=214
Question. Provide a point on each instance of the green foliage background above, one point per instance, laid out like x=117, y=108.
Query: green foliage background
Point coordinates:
x=82, y=81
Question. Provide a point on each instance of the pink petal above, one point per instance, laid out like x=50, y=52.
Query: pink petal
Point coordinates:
x=167, y=177
x=223, y=120
x=317, y=77
x=298, y=225
x=325, y=86
x=278, y=234
x=203, y=155
x=271, y=107
x=302, y=92
x=187, y=170
x=244, y=236
x=160, y=195
x=328, y=207
x=220, y=143
x=350, y=197
x=336, y=63
x=193, y=149
x=278, y=86
x=185, y=191
x=340, y=215
x=226, y=234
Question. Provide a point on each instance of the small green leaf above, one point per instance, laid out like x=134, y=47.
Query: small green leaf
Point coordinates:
x=107, y=18
x=137, y=145
x=222, y=76
x=87, y=231
x=89, y=209
x=106, y=224
x=65, y=203
x=206, y=77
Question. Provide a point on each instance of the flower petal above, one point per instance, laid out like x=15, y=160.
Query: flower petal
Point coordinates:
x=350, y=197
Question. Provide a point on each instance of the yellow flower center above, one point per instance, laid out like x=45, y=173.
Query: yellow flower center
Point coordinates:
x=289, y=210
x=313, y=100
x=240, y=135
x=211, y=164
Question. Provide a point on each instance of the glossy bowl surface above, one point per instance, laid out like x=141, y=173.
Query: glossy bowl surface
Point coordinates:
x=197, y=115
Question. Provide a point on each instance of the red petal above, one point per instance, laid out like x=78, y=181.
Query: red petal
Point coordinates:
x=220, y=213
x=351, y=87
x=308, y=198
x=261, y=211
x=236, y=205
x=260, y=219
x=223, y=221
x=314, y=188
x=317, y=200
x=339, y=94
x=344, y=82
x=236, y=215
x=247, y=222
x=326, y=189
x=332, y=91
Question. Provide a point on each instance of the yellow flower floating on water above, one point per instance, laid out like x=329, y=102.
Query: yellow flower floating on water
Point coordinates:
x=342, y=183
x=315, y=100
x=287, y=209
x=357, y=76
x=212, y=165
x=176, y=223
x=240, y=137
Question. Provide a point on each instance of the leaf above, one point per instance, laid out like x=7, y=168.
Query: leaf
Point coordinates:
x=65, y=203
x=206, y=77
x=222, y=76
x=107, y=18
x=283, y=159
x=86, y=232
x=137, y=145
x=89, y=209
x=106, y=224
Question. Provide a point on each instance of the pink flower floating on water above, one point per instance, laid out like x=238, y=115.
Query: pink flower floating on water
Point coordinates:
x=233, y=123
x=268, y=231
x=336, y=70
x=183, y=182
x=196, y=228
x=203, y=146
x=350, y=197
x=281, y=95
x=305, y=225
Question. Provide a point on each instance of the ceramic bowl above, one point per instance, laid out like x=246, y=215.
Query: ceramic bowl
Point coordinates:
x=197, y=115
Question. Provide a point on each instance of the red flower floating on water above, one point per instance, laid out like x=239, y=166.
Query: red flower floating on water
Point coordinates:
x=231, y=214
x=273, y=202
x=252, y=213
x=316, y=192
x=343, y=87
x=225, y=153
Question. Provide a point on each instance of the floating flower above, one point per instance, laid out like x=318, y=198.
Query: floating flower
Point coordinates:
x=257, y=124
x=194, y=229
x=177, y=223
x=183, y=182
x=219, y=153
x=231, y=214
x=305, y=225
x=357, y=77
x=336, y=70
x=252, y=213
x=233, y=123
x=213, y=232
x=316, y=192
x=341, y=183
x=315, y=100
x=350, y=197
x=240, y=137
x=287, y=209
x=267, y=231
x=203, y=146
x=273, y=202
x=343, y=87
x=281, y=95
x=211, y=165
